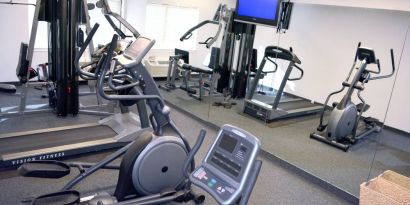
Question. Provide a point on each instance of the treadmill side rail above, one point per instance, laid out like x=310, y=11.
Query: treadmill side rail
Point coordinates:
x=16, y=159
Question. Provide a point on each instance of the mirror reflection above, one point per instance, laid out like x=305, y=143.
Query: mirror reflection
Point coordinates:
x=391, y=162
x=315, y=90
x=296, y=101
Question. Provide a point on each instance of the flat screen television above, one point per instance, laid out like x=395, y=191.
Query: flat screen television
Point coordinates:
x=265, y=12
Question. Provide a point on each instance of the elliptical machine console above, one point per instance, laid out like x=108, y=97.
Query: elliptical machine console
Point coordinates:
x=346, y=125
x=229, y=170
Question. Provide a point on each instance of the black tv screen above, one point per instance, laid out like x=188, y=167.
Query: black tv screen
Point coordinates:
x=264, y=12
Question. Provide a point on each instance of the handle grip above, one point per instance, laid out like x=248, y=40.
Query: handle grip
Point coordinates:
x=191, y=155
x=358, y=46
x=301, y=74
x=207, y=40
x=87, y=41
x=108, y=58
x=393, y=68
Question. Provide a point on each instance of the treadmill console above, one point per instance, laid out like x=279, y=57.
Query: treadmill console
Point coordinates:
x=225, y=170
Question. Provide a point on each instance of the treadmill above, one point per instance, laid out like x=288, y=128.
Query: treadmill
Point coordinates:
x=283, y=106
x=110, y=132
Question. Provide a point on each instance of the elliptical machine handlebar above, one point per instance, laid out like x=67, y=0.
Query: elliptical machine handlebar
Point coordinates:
x=81, y=52
x=194, y=150
x=100, y=82
x=188, y=34
x=217, y=20
x=393, y=68
x=88, y=75
x=103, y=4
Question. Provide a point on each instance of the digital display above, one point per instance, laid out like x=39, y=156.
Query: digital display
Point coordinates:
x=228, y=143
x=258, y=11
x=137, y=47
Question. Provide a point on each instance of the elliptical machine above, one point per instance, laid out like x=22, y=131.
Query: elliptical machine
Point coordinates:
x=343, y=127
x=151, y=163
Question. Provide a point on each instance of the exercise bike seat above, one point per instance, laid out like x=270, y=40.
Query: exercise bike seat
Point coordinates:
x=361, y=107
x=7, y=88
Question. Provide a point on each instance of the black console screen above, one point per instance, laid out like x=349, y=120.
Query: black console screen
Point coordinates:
x=228, y=143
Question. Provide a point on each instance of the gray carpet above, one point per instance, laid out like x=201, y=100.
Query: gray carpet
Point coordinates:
x=276, y=183
x=290, y=141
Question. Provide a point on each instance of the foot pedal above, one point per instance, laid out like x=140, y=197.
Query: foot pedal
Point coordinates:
x=7, y=88
x=361, y=107
x=370, y=120
x=63, y=198
x=188, y=89
x=321, y=128
x=191, y=91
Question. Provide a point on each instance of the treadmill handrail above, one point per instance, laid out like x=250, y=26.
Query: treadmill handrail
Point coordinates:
x=281, y=53
x=301, y=73
x=273, y=62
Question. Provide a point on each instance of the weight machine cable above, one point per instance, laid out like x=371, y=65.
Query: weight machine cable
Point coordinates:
x=16, y=3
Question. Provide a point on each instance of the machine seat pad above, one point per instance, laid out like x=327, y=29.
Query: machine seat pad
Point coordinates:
x=197, y=69
x=7, y=88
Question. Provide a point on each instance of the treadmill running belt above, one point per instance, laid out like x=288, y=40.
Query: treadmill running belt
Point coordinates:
x=296, y=105
x=52, y=139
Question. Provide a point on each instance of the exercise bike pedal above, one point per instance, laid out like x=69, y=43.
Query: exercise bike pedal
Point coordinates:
x=361, y=107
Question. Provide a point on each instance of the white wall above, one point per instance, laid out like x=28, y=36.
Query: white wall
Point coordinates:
x=135, y=13
x=399, y=5
x=325, y=39
x=399, y=111
x=13, y=21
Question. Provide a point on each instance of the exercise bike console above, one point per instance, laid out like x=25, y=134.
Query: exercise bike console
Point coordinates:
x=226, y=171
